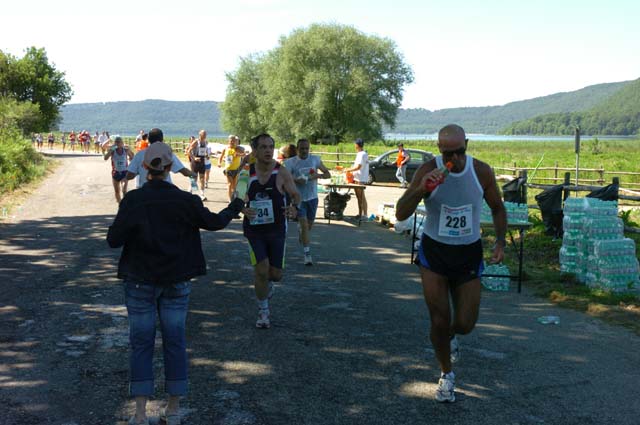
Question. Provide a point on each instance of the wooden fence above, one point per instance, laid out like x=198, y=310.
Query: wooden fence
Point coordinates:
x=555, y=175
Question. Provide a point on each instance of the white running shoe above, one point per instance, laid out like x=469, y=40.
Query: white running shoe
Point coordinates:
x=263, y=319
x=446, y=389
x=308, y=261
x=454, y=346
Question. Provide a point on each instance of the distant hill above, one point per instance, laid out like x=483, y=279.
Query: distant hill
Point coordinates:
x=491, y=119
x=176, y=118
x=183, y=118
x=618, y=114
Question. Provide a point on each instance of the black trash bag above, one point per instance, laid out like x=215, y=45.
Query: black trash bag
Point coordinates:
x=335, y=204
x=607, y=193
x=550, y=203
x=514, y=191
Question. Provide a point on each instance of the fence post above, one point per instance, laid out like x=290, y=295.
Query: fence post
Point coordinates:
x=601, y=173
x=337, y=156
x=514, y=169
x=567, y=182
x=524, y=174
x=555, y=174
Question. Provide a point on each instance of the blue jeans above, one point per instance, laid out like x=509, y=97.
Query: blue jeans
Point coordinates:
x=171, y=304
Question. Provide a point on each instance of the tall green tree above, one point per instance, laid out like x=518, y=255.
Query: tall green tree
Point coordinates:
x=327, y=81
x=244, y=111
x=33, y=79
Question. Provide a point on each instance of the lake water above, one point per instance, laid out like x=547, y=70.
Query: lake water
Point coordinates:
x=503, y=138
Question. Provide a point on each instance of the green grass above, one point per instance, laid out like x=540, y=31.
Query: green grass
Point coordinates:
x=613, y=156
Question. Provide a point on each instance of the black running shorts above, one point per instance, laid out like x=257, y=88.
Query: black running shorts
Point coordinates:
x=458, y=263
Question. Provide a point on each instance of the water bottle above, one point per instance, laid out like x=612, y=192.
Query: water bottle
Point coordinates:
x=243, y=183
x=549, y=320
x=430, y=185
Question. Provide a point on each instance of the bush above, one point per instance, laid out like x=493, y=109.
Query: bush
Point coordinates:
x=19, y=161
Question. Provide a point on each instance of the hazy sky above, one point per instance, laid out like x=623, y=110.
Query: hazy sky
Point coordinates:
x=463, y=53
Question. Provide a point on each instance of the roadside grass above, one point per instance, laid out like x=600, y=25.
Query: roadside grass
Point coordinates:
x=21, y=168
x=542, y=276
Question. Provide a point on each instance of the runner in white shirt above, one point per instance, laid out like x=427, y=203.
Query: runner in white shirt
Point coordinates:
x=120, y=154
x=136, y=167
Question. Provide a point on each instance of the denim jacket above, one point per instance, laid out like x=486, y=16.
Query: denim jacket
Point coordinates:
x=159, y=227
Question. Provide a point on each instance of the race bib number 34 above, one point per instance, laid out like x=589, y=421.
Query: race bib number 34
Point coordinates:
x=264, y=210
x=455, y=221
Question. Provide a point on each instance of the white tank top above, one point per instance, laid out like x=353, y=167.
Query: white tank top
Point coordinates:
x=453, y=208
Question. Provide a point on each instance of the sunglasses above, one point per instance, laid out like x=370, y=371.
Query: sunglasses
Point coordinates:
x=459, y=152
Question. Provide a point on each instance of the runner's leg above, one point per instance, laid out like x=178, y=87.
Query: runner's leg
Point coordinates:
x=466, y=301
x=436, y=294
x=116, y=189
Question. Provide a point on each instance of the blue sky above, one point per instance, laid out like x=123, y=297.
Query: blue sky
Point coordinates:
x=463, y=53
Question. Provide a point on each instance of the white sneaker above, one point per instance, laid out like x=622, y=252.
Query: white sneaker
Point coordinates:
x=454, y=346
x=202, y=197
x=446, y=389
x=263, y=319
x=308, y=261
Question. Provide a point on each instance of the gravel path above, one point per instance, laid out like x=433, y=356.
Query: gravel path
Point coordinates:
x=348, y=345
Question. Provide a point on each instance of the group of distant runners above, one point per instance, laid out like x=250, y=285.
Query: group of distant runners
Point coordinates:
x=158, y=226
x=82, y=140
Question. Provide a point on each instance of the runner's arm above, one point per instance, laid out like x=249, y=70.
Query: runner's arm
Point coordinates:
x=326, y=174
x=221, y=156
x=416, y=191
x=498, y=213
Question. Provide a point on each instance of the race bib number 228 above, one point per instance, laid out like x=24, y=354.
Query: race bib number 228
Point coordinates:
x=455, y=221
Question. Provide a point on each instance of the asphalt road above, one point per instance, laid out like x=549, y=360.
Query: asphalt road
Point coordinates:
x=348, y=344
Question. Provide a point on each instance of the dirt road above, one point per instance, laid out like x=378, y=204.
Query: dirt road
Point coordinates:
x=348, y=345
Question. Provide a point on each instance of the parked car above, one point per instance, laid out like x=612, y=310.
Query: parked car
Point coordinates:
x=383, y=168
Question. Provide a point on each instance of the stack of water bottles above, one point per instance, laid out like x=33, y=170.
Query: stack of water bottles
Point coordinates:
x=499, y=279
x=594, y=247
x=516, y=213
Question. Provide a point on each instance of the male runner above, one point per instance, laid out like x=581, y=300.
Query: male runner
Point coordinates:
x=265, y=221
x=72, y=140
x=136, y=166
x=231, y=155
x=197, y=153
x=120, y=155
x=306, y=170
x=450, y=254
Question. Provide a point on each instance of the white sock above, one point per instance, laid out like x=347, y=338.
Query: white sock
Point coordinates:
x=263, y=304
x=449, y=375
x=307, y=249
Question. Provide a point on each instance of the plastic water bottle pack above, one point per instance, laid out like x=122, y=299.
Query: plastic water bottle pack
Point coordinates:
x=496, y=283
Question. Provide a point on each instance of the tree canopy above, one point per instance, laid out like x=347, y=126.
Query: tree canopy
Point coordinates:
x=32, y=80
x=327, y=81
